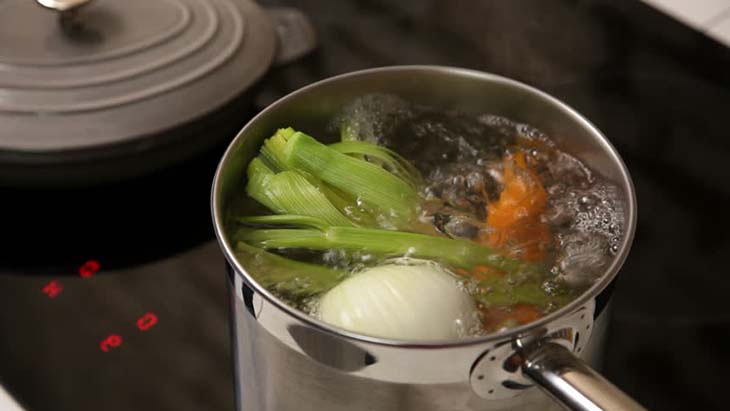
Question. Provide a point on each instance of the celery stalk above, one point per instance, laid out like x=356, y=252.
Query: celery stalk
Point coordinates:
x=285, y=219
x=521, y=285
x=386, y=157
x=386, y=243
x=272, y=149
x=292, y=193
x=290, y=277
x=259, y=177
x=372, y=185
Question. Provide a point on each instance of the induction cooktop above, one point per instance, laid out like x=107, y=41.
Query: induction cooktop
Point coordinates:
x=114, y=296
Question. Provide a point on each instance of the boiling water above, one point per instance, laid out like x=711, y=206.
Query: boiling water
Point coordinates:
x=461, y=157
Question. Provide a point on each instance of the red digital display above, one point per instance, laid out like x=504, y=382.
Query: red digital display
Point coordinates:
x=89, y=268
x=52, y=289
x=146, y=321
x=110, y=342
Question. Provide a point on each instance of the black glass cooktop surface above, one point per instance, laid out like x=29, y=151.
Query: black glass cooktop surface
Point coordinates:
x=114, y=297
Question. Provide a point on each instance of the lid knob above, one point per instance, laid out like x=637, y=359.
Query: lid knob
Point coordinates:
x=62, y=5
x=67, y=10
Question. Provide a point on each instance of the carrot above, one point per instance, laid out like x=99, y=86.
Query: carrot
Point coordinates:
x=483, y=272
x=519, y=314
x=524, y=314
x=515, y=217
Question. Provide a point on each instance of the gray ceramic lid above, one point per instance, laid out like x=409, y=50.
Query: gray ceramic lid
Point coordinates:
x=133, y=69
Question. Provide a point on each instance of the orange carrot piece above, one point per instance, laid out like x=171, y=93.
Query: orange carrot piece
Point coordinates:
x=523, y=313
x=496, y=318
x=515, y=217
x=483, y=272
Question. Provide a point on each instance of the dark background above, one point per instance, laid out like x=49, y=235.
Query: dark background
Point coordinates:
x=659, y=90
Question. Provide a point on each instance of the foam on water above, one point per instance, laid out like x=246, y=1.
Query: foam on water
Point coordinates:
x=588, y=220
x=373, y=117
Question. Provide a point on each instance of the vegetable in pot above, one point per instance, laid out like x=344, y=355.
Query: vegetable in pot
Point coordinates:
x=363, y=191
x=484, y=221
x=413, y=302
x=295, y=279
x=314, y=234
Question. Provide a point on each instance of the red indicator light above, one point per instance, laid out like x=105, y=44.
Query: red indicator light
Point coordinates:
x=52, y=289
x=110, y=342
x=89, y=268
x=146, y=321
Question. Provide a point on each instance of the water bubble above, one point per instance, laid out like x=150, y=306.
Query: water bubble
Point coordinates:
x=373, y=118
x=550, y=287
x=583, y=258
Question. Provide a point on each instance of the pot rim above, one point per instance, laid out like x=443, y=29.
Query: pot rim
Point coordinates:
x=587, y=295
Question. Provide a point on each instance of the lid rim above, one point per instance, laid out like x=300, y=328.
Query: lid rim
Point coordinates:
x=242, y=53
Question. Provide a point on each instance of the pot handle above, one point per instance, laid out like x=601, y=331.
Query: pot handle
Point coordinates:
x=571, y=382
x=295, y=33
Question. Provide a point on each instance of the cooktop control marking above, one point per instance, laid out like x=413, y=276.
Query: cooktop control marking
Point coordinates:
x=89, y=268
x=110, y=342
x=52, y=289
x=146, y=321
x=86, y=270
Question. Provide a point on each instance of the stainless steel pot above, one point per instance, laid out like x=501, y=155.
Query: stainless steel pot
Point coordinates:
x=286, y=360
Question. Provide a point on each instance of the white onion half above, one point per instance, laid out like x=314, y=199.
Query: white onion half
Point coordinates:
x=405, y=302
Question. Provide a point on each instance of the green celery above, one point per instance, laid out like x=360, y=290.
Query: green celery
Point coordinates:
x=293, y=278
x=285, y=219
x=292, y=193
x=386, y=243
x=520, y=285
x=386, y=157
x=394, y=198
x=272, y=149
x=259, y=178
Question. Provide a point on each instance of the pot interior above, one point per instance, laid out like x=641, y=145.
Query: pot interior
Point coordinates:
x=312, y=108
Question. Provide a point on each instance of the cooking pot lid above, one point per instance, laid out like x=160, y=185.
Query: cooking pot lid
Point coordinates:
x=122, y=70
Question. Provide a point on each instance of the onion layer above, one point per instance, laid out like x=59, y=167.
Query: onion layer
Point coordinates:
x=405, y=302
